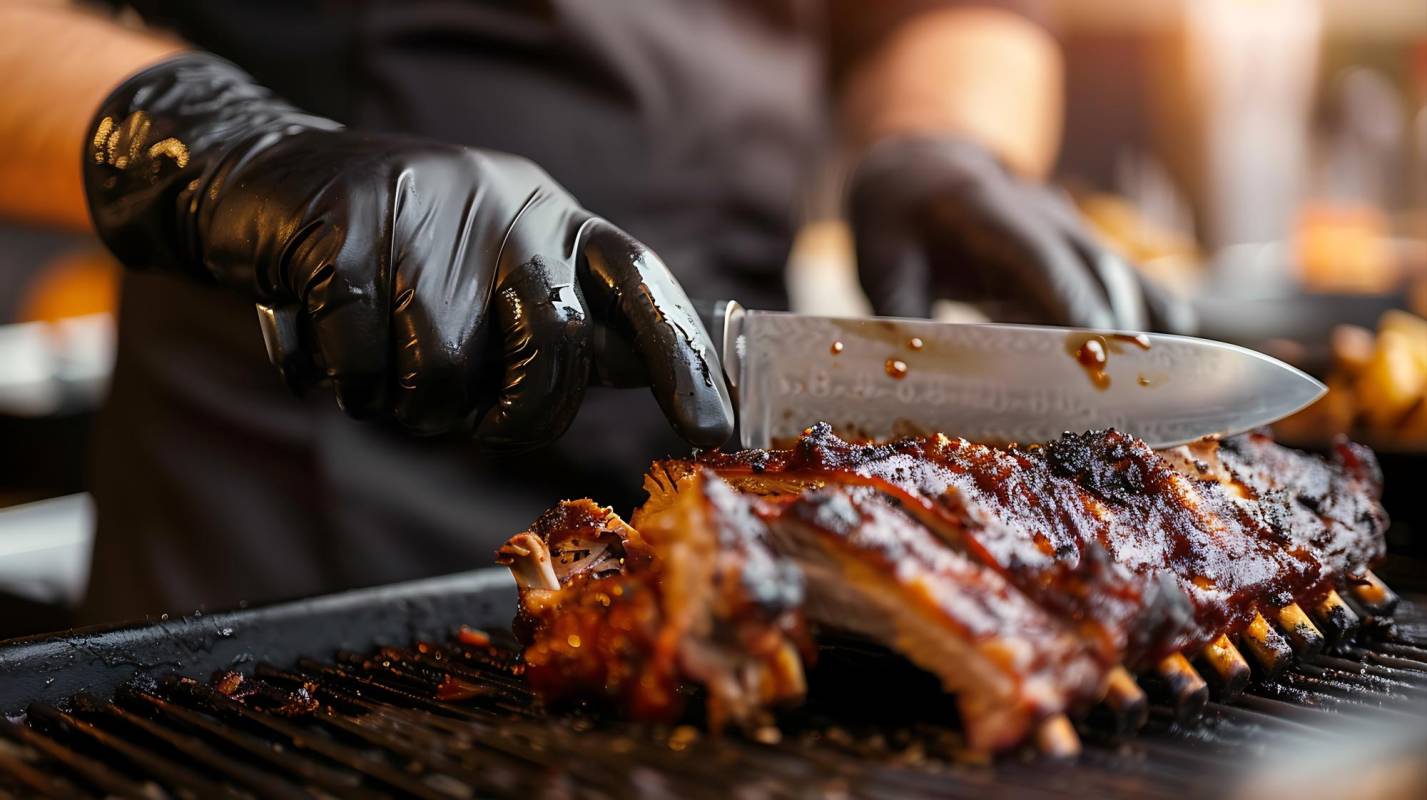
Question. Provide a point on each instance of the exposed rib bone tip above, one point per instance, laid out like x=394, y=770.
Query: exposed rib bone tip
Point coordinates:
x=1126, y=700
x=1266, y=646
x=1056, y=737
x=1335, y=618
x=1373, y=595
x=1186, y=689
x=1303, y=636
x=1227, y=667
x=528, y=559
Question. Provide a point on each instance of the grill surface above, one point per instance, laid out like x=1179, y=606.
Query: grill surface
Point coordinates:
x=444, y=719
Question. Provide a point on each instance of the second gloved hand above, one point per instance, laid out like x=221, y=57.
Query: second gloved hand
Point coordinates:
x=940, y=218
x=452, y=290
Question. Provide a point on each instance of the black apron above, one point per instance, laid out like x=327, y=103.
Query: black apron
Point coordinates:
x=690, y=123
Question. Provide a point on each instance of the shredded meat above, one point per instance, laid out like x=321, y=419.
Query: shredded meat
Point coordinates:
x=637, y=618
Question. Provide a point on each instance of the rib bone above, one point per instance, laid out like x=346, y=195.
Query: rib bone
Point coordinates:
x=1056, y=737
x=1303, y=636
x=1266, y=646
x=1372, y=594
x=1126, y=701
x=1227, y=668
x=1183, y=687
x=1335, y=618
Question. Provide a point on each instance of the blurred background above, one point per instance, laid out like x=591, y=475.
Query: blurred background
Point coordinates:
x=1267, y=158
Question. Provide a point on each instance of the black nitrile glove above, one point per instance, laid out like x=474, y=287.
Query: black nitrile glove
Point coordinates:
x=450, y=289
x=940, y=218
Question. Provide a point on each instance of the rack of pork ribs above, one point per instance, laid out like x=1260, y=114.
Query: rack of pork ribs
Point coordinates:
x=1037, y=583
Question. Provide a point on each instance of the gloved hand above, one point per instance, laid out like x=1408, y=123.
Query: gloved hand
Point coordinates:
x=450, y=289
x=940, y=218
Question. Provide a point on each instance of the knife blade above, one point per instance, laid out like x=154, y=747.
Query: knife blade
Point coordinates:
x=882, y=377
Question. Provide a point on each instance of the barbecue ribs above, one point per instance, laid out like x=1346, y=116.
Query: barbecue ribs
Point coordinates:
x=873, y=571
x=1022, y=577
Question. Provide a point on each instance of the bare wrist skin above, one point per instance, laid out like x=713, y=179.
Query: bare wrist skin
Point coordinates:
x=59, y=62
x=980, y=74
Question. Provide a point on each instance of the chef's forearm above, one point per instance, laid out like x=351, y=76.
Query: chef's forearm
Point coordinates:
x=58, y=63
x=981, y=73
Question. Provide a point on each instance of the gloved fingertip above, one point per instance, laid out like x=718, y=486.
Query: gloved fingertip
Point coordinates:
x=1169, y=312
x=907, y=305
x=1096, y=317
x=704, y=420
x=1175, y=316
x=359, y=398
x=421, y=420
x=500, y=433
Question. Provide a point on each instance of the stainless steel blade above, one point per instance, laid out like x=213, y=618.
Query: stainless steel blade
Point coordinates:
x=995, y=383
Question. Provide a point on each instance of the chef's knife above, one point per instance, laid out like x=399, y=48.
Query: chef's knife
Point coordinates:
x=882, y=377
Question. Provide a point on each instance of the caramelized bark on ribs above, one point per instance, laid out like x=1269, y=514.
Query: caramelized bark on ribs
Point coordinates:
x=1327, y=510
x=1052, y=517
x=1021, y=577
x=873, y=571
x=1225, y=560
x=633, y=617
x=1331, y=509
x=1007, y=509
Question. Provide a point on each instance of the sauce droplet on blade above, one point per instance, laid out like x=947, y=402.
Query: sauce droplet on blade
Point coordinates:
x=915, y=343
x=896, y=368
x=836, y=348
x=1092, y=352
x=1139, y=340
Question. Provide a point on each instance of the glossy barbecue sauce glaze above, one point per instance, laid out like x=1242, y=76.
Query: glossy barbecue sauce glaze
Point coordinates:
x=938, y=591
x=1096, y=527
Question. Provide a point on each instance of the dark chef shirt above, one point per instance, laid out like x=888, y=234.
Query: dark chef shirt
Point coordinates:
x=690, y=123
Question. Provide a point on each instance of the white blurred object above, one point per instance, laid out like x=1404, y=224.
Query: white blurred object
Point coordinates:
x=1363, y=149
x=1365, y=757
x=822, y=277
x=1146, y=184
x=51, y=367
x=822, y=272
x=1253, y=64
x=45, y=548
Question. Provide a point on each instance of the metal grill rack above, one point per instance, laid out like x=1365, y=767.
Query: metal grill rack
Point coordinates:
x=369, y=695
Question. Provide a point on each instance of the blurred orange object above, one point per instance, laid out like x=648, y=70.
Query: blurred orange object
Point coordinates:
x=1166, y=255
x=77, y=283
x=1378, y=387
x=1346, y=249
x=1137, y=237
x=1417, y=296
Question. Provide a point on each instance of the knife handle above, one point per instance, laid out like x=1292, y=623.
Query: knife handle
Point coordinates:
x=281, y=327
x=723, y=321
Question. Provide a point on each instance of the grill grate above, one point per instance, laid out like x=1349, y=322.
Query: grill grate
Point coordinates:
x=454, y=720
